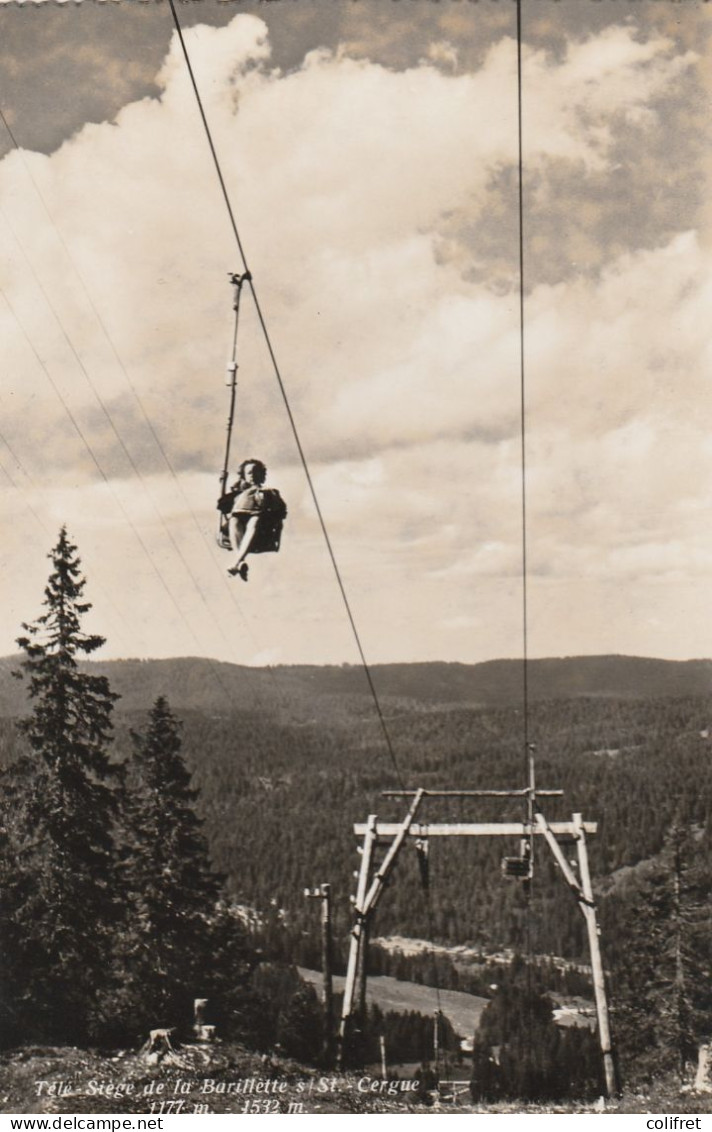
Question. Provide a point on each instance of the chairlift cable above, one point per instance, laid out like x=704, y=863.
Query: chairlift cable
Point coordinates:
x=217, y=622
x=285, y=398
x=528, y=756
x=523, y=407
x=102, y=405
x=107, y=482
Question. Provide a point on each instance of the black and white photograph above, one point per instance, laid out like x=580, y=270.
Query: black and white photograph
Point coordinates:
x=356, y=559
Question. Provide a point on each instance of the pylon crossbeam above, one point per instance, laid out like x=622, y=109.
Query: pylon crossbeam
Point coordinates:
x=475, y=829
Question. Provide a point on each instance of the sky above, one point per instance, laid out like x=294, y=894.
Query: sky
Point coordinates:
x=369, y=149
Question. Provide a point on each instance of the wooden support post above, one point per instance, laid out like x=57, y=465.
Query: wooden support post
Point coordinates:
x=583, y=892
x=367, y=898
x=357, y=936
x=384, y=1064
x=323, y=893
x=327, y=959
x=378, y=884
x=542, y=826
x=359, y=1008
x=588, y=908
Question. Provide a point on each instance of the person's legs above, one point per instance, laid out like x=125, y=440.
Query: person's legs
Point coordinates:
x=242, y=536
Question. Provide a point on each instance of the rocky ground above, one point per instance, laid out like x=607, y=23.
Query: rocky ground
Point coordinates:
x=229, y=1079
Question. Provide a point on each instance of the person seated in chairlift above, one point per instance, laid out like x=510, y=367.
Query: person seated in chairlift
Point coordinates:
x=255, y=513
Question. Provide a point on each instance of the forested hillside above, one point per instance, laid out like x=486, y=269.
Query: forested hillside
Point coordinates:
x=287, y=760
x=283, y=763
x=281, y=802
x=211, y=686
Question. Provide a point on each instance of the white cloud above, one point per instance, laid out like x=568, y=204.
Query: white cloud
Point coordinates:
x=443, y=52
x=604, y=80
x=403, y=375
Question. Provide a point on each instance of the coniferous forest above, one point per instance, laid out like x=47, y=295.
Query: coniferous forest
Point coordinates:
x=161, y=821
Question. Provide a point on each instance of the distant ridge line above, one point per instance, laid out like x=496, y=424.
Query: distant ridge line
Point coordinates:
x=189, y=683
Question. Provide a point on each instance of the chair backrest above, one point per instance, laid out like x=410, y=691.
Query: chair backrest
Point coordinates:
x=268, y=535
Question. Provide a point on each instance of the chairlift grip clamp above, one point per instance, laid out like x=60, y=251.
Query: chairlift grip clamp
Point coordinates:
x=237, y=280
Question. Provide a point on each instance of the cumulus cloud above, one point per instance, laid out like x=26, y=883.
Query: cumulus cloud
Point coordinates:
x=401, y=366
x=605, y=80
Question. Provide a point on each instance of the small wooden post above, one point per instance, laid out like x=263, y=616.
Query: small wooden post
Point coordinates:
x=384, y=1064
x=204, y=1032
x=703, y=1083
x=326, y=950
x=588, y=908
x=323, y=893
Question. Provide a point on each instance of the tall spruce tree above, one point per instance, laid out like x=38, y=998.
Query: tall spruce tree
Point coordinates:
x=664, y=1003
x=175, y=931
x=60, y=800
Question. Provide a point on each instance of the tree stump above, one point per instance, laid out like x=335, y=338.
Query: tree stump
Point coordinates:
x=159, y=1044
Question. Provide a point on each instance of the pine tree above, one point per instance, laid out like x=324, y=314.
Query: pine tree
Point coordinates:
x=300, y=1025
x=171, y=944
x=12, y=975
x=60, y=905
x=663, y=977
x=519, y=1051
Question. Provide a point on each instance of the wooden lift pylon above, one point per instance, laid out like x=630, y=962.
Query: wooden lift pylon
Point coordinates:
x=370, y=888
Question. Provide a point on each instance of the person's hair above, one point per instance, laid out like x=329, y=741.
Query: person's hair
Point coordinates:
x=260, y=470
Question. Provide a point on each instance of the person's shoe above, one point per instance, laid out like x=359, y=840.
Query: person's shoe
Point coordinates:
x=243, y=571
x=234, y=570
